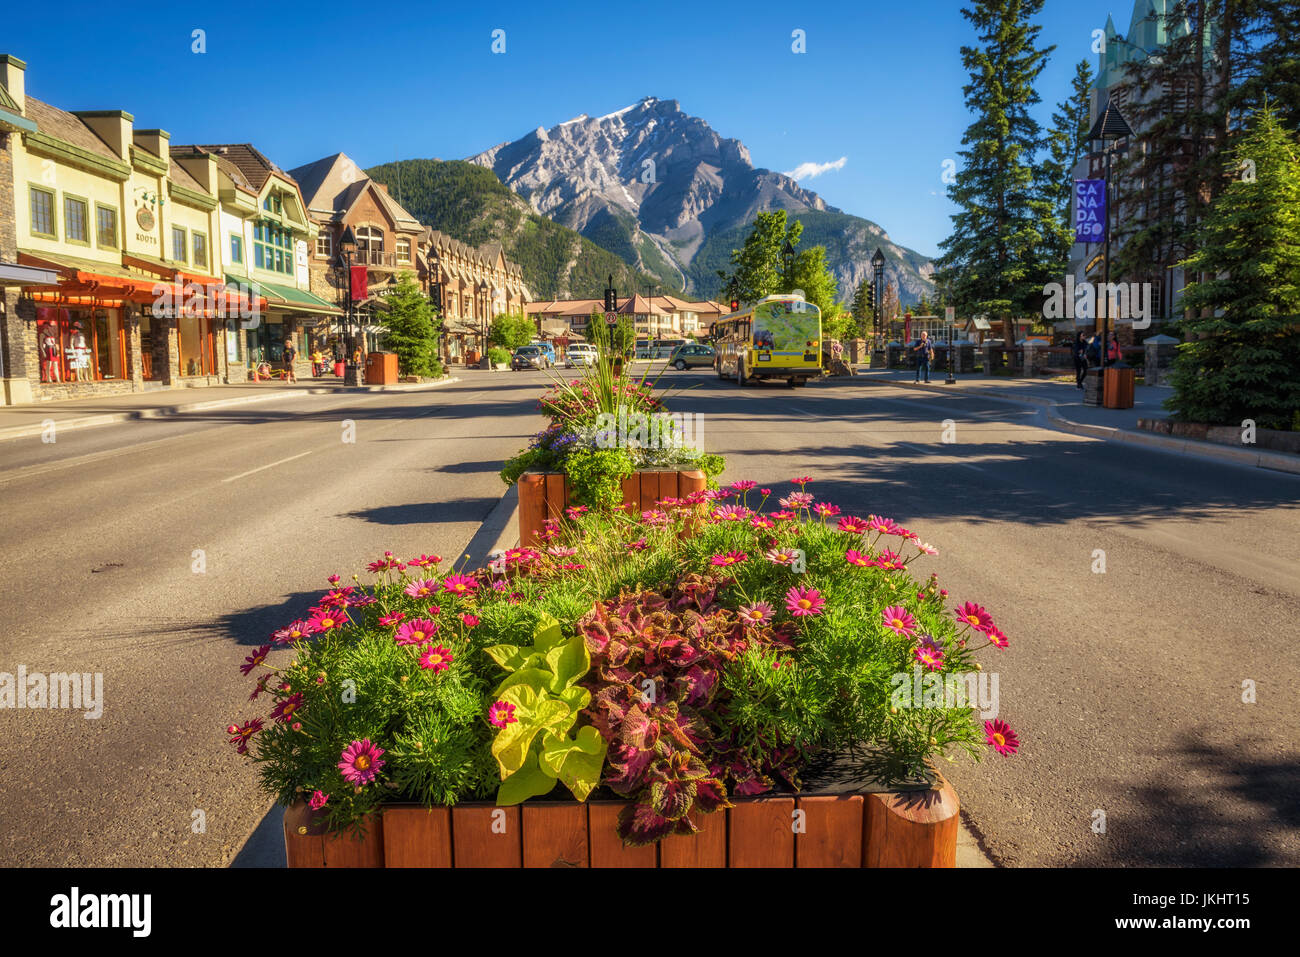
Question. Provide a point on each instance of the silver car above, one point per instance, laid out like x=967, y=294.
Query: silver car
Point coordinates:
x=580, y=354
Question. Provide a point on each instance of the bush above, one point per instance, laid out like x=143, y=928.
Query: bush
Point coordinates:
x=497, y=355
x=722, y=650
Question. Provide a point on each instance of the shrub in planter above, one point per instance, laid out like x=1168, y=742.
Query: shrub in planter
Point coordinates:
x=498, y=356
x=677, y=671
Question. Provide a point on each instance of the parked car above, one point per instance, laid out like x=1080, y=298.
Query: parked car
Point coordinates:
x=548, y=350
x=528, y=357
x=580, y=354
x=691, y=356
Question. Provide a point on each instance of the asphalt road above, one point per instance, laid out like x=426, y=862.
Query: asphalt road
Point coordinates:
x=1125, y=686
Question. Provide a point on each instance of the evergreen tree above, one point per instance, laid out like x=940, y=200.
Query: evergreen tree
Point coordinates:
x=1243, y=345
x=863, y=312
x=1066, y=144
x=412, y=329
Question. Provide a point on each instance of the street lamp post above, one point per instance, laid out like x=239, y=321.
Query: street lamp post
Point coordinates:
x=351, y=371
x=877, y=275
x=1110, y=128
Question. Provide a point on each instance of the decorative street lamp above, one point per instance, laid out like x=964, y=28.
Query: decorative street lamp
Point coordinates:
x=1105, y=136
x=347, y=247
x=877, y=276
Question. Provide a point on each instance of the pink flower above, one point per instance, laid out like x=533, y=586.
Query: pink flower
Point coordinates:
x=437, y=659
x=761, y=521
x=890, y=561
x=241, y=734
x=516, y=556
x=392, y=619
x=996, y=637
x=326, y=619
x=638, y=546
x=559, y=551
x=797, y=500
x=728, y=558
x=801, y=482
x=362, y=601
x=434, y=611
x=782, y=556
x=318, y=800
x=501, y=713
x=826, y=509
x=929, y=654
x=255, y=659
x=424, y=561
x=898, y=620
x=421, y=588
x=469, y=620
x=765, y=492
x=572, y=567
x=730, y=513
x=801, y=601
x=334, y=579
x=784, y=515
x=360, y=762
x=974, y=615
x=298, y=631
x=654, y=517
x=855, y=557
x=459, y=585
x=337, y=597
x=416, y=632
x=854, y=526
x=573, y=511
x=287, y=709
x=756, y=613
x=671, y=501
x=743, y=485
x=1000, y=736
x=885, y=526
x=925, y=548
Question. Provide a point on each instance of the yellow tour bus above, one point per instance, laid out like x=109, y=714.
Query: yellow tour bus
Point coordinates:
x=778, y=337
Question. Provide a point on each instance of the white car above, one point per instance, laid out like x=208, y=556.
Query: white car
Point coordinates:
x=580, y=354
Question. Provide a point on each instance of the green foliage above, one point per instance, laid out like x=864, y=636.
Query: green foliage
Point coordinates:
x=1243, y=347
x=813, y=277
x=497, y=355
x=1066, y=144
x=596, y=476
x=536, y=749
x=618, y=340
x=509, y=331
x=412, y=329
x=758, y=267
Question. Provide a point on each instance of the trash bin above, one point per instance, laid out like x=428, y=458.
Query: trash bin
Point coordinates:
x=1120, y=380
x=339, y=369
x=381, y=368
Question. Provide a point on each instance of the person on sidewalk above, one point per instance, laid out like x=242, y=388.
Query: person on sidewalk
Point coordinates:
x=1113, y=353
x=1080, y=351
x=924, y=350
x=290, y=355
x=1093, y=352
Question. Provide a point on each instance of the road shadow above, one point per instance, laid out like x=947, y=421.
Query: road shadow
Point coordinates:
x=427, y=513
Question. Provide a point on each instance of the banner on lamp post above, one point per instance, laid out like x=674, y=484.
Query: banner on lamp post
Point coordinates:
x=359, y=283
x=1089, y=210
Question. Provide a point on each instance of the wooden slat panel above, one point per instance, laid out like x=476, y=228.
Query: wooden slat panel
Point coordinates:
x=912, y=828
x=761, y=833
x=555, y=835
x=652, y=487
x=476, y=844
x=344, y=850
x=555, y=500
x=690, y=481
x=304, y=845
x=417, y=837
x=532, y=507
x=708, y=848
x=630, y=486
x=832, y=831
x=607, y=848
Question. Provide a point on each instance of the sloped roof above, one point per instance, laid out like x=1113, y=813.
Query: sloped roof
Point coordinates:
x=65, y=126
x=255, y=168
x=332, y=184
x=181, y=177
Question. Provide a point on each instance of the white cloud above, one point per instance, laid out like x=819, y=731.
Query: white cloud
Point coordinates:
x=809, y=170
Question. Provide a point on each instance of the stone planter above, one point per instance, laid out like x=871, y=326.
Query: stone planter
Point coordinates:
x=915, y=828
x=544, y=495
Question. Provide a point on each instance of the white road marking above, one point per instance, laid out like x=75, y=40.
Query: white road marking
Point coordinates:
x=262, y=468
x=925, y=451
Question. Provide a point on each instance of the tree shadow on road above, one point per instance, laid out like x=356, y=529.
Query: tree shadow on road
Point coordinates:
x=427, y=513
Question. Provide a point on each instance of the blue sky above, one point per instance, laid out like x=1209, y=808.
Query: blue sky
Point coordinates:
x=879, y=85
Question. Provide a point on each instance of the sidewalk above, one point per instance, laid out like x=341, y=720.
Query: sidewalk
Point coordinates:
x=17, y=421
x=1065, y=411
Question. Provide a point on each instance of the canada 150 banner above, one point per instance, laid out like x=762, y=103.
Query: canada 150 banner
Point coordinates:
x=1089, y=210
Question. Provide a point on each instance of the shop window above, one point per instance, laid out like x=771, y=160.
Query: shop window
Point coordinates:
x=196, y=337
x=74, y=220
x=77, y=345
x=42, y=203
x=106, y=227
x=272, y=248
x=234, y=342
x=178, y=244
x=201, y=250
x=324, y=246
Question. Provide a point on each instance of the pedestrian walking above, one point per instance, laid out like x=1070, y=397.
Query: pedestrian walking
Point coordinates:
x=924, y=350
x=290, y=354
x=1093, y=351
x=1080, y=353
x=1113, y=353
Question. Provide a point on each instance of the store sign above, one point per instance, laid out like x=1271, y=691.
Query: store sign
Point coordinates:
x=144, y=219
x=1089, y=210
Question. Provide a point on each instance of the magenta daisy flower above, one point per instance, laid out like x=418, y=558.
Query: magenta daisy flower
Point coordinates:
x=360, y=762
x=361, y=601
x=241, y=734
x=421, y=588
x=469, y=620
x=996, y=637
x=890, y=561
x=785, y=515
x=855, y=557
x=781, y=556
x=517, y=556
x=929, y=654
x=743, y=485
x=572, y=567
x=854, y=526
x=672, y=501
x=334, y=579
x=801, y=601
x=974, y=615
x=559, y=551
x=287, y=709
x=501, y=713
x=761, y=521
x=797, y=500
x=326, y=619
x=318, y=800
x=573, y=511
x=416, y=632
x=392, y=618
x=655, y=518
x=728, y=558
x=730, y=513
x=757, y=613
x=898, y=620
x=255, y=659
x=885, y=526
x=437, y=659
x=826, y=509
x=459, y=585
x=1000, y=736
x=802, y=481
x=434, y=611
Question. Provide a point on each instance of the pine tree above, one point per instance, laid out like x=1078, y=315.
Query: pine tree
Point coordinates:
x=992, y=254
x=1268, y=58
x=1243, y=329
x=412, y=329
x=863, y=313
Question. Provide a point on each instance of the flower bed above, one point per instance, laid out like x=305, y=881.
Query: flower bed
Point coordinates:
x=627, y=661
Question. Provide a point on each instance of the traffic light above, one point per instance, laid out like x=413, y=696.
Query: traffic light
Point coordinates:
x=735, y=305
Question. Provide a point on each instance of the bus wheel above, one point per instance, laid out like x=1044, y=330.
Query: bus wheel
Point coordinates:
x=792, y=382
x=801, y=382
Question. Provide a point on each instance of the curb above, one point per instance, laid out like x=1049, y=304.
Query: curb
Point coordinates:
x=1276, y=461
x=166, y=411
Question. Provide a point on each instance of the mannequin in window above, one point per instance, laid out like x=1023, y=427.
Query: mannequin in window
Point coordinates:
x=80, y=353
x=50, y=371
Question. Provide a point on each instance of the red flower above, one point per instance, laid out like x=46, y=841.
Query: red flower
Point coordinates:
x=1000, y=737
x=255, y=659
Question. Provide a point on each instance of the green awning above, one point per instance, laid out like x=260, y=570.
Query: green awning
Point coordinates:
x=288, y=296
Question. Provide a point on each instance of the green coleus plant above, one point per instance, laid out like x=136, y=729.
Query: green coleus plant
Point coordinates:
x=538, y=745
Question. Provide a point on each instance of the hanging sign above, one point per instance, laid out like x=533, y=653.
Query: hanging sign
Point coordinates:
x=359, y=283
x=1089, y=210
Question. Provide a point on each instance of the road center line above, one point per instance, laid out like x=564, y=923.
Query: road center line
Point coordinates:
x=925, y=451
x=262, y=468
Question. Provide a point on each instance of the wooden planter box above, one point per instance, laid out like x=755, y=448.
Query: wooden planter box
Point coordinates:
x=544, y=495
x=879, y=829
